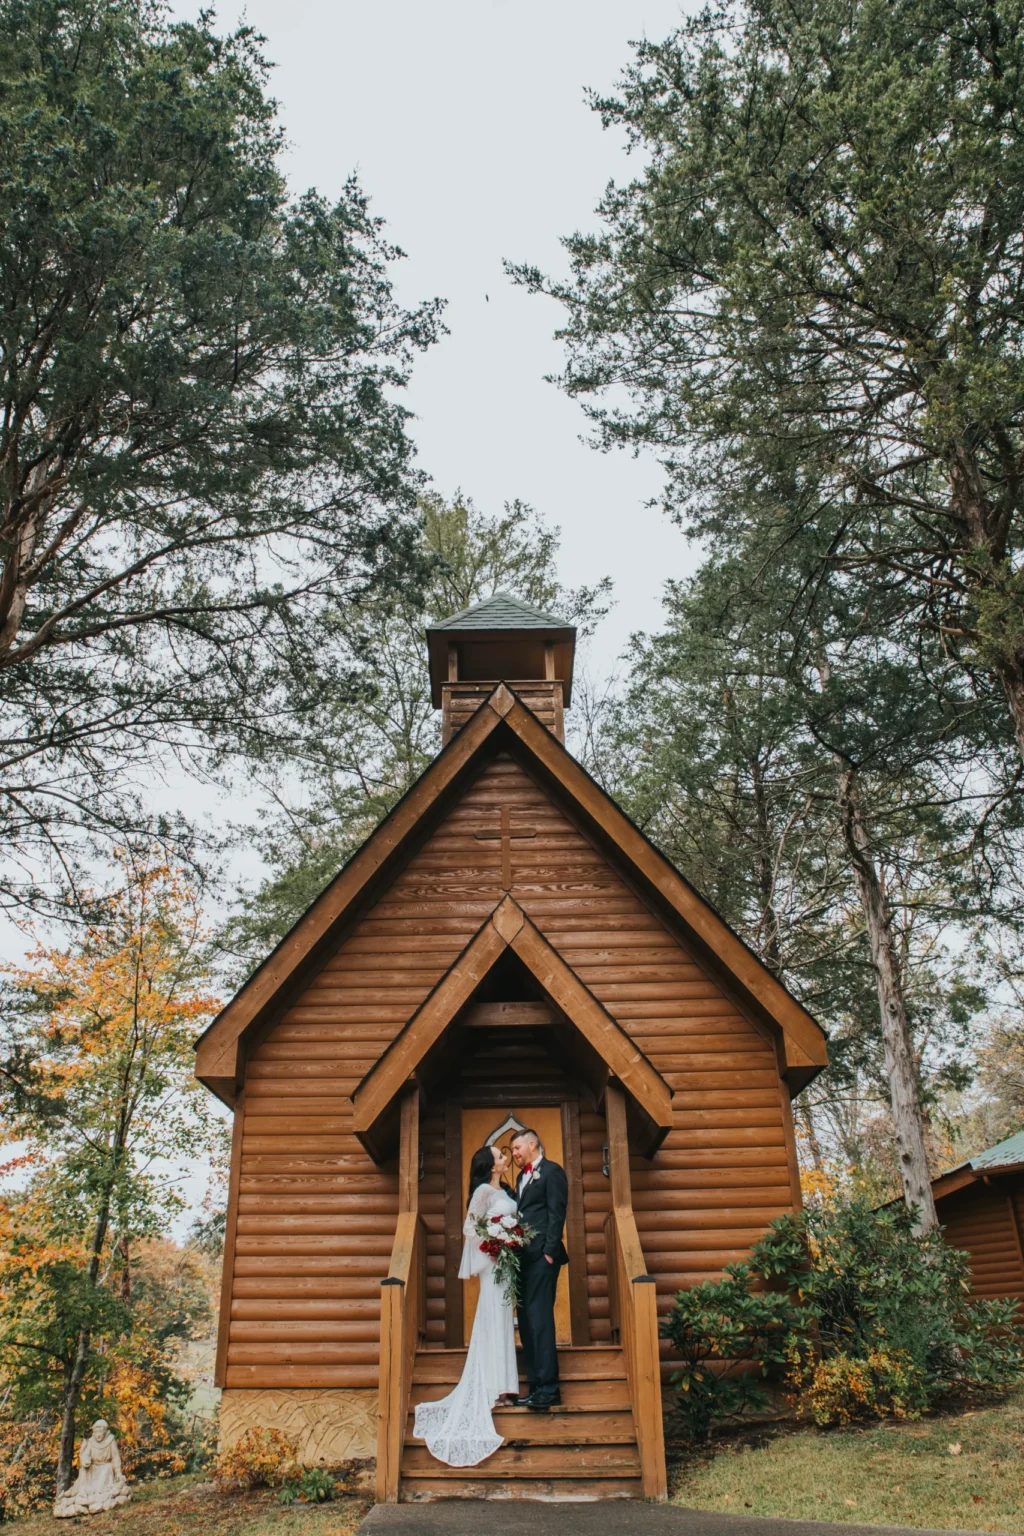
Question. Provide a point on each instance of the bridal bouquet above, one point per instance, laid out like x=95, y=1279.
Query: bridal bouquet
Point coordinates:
x=502, y=1238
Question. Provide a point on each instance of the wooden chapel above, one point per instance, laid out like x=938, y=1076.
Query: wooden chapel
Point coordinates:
x=505, y=949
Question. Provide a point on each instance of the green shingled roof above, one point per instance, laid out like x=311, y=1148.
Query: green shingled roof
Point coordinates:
x=1009, y=1151
x=1005, y=1154
x=502, y=611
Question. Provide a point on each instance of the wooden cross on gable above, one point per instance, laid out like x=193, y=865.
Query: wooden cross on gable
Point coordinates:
x=507, y=833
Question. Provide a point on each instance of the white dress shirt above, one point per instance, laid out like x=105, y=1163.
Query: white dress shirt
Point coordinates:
x=527, y=1177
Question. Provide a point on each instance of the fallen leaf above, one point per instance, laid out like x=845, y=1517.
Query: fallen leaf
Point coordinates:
x=955, y=1448
x=898, y=1488
x=976, y=1498
x=850, y=1503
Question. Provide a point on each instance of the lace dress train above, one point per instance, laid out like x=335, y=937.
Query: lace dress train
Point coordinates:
x=459, y=1429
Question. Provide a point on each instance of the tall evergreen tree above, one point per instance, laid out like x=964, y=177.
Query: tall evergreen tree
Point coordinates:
x=201, y=454
x=819, y=787
x=822, y=263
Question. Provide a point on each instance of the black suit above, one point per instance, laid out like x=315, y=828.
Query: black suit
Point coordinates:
x=542, y=1206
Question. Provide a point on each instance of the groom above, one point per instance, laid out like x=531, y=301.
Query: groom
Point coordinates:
x=542, y=1191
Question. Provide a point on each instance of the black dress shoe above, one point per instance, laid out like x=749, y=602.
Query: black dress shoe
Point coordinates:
x=539, y=1402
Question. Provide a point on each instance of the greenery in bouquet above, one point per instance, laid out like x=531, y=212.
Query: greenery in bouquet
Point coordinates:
x=502, y=1239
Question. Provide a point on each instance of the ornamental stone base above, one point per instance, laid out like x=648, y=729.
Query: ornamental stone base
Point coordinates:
x=327, y=1424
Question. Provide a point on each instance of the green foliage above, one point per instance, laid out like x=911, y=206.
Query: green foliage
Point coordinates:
x=861, y=1316
x=715, y=1324
x=310, y=1485
x=738, y=730
x=98, y=1091
x=875, y=1283
x=812, y=294
x=203, y=457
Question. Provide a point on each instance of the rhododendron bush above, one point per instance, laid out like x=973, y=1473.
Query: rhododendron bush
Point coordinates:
x=847, y=1311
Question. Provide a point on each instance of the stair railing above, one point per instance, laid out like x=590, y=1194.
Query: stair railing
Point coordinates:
x=403, y=1310
x=633, y=1306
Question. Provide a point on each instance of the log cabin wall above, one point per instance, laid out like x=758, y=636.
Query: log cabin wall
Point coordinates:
x=316, y=1217
x=986, y=1219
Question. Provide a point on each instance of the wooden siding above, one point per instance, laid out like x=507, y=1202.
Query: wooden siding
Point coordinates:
x=461, y=700
x=987, y=1221
x=316, y=1218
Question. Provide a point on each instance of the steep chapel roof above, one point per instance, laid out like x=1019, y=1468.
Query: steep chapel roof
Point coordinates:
x=504, y=724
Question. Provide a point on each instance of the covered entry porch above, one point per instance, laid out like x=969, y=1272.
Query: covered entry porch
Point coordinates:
x=511, y=1036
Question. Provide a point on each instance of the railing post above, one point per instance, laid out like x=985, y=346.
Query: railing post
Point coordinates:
x=618, y=1145
x=611, y=1250
x=633, y=1305
x=647, y=1370
x=402, y=1308
x=390, y=1391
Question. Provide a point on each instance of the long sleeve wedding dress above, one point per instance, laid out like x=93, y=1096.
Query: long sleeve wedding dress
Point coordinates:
x=459, y=1429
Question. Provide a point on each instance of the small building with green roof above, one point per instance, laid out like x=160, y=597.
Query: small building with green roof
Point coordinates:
x=980, y=1203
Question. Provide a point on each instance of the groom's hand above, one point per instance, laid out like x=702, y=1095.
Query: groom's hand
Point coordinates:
x=549, y=1258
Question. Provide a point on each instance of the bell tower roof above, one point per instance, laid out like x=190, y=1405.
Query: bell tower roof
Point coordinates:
x=501, y=639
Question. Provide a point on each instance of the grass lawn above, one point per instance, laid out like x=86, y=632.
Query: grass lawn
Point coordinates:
x=961, y=1470
x=182, y=1506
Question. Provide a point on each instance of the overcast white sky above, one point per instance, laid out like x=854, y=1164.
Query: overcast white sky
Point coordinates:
x=466, y=123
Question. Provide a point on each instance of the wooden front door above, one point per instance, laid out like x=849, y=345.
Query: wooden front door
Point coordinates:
x=485, y=1127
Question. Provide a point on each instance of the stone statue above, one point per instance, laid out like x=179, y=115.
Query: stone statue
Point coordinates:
x=100, y=1482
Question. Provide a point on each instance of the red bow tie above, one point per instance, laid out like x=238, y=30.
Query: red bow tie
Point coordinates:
x=528, y=1168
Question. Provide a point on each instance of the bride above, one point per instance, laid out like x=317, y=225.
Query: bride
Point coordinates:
x=459, y=1429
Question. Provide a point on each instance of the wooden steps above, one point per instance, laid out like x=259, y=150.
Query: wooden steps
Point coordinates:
x=584, y=1449
x=593, y=1362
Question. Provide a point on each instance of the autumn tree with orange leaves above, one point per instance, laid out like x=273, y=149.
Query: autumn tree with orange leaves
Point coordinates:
x=99, y=1105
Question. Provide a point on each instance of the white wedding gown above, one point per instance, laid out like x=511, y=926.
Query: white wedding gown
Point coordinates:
x=459, y=1429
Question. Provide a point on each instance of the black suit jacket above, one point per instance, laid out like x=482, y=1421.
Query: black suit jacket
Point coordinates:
x=542, y=1206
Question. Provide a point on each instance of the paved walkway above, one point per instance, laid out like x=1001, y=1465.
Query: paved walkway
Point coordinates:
x=623, y=1517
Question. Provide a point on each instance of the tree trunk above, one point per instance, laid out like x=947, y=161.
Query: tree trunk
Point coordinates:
x=806, y=1118
x=72, y=1392
x=899, y=1054
x=75, y=1374
x=771, y=934
x=988, y=527
x=1013, y=686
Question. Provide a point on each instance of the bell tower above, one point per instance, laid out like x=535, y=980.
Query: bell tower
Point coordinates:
x=501, y=640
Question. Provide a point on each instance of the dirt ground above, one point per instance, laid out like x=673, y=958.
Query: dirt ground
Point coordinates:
x=185, y=1506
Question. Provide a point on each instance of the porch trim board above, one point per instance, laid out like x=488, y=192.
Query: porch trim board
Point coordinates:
x=508, y=927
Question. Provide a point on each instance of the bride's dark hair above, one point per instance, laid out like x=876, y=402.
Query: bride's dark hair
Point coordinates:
x=481, y=1170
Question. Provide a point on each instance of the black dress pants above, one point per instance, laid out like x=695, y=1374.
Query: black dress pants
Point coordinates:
x=536, y=1314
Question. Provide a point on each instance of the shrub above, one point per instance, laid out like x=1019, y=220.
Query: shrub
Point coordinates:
x=28, y=1456
x=886, y=1383
x=261, y=1458
x=718, y=1322
x=308, y=1485
x=851, y=1311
